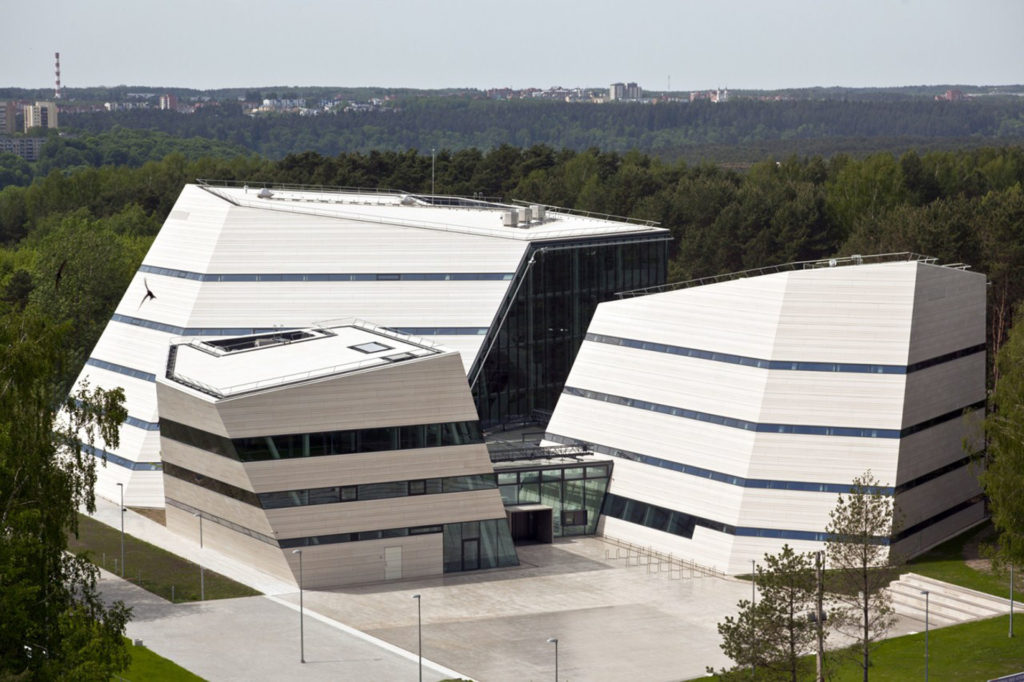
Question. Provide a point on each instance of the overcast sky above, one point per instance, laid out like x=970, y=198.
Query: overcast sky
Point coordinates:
x=699, y=44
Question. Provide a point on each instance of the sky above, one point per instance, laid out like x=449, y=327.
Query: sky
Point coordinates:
x=681, y=44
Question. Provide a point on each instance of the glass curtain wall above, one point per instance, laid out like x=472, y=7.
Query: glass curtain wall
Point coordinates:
x=530, y=359
x=476, y=545
x=574, y=493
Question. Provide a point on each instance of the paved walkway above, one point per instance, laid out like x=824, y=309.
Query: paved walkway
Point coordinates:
x=614, y=621
x=252, y=638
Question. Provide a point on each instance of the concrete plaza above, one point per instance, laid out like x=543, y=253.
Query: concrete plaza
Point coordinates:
x=614, y=619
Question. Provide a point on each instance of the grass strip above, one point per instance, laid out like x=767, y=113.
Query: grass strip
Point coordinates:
x=150, y=567
x=147, y=665
x=948, y=562
x=980, y=650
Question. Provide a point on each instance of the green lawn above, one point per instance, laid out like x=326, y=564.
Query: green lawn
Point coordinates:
x=150, y=567
x=149, y=666
x=971, y=651
x=947, y=562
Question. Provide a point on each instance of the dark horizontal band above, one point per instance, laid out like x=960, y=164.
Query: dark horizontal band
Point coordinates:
x=682, y=524
x=757, y=483
x=334, y=494
x=329, y=277
x=121, y=369
x=759, y=427
x=246, y=331
x=110, y=457
x=352, y=441
x=792, y=365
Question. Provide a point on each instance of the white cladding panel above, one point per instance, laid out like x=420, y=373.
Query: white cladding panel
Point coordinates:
x=206, y=234
x=863, y=400
x=894, y=313
x=736, y=452
x=856, y=314
x=189, y=236
x=949, y=312
x=736, y=317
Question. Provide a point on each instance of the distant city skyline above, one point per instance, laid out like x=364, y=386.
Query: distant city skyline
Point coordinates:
x=660, y=44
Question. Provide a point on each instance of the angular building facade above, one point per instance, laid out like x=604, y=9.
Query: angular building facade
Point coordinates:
x=357, y=447
x=511, y=288
x=736, y=411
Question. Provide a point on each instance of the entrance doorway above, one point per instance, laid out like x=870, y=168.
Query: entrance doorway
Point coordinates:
x=530, y=523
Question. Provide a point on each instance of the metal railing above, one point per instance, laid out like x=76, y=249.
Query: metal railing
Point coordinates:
x=531, y=452
x=787, y=267
x=284, y=204
x=657, y=562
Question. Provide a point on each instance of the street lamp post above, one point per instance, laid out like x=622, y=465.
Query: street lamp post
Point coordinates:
x=419, y=630
x=432, y=155
x=925, y=593
x=302, y=634
x=554, y=640
x=1011, y=600
x=121, y=486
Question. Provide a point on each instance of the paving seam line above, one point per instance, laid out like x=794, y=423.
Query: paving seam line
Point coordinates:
x=359, y=634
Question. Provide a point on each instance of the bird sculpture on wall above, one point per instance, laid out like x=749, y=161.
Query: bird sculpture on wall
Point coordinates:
x=149, y=293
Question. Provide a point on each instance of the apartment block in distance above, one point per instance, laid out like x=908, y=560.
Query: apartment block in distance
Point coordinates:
x=40, y=115
x=357, y=447
x=511, y=288
x=8, y=120
x=736, y=410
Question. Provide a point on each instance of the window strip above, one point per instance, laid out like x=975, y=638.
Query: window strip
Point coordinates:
x=246, y=331
x=289, y=446
x=327, y=277
x=760, y=483
x=760, y=427
x=651, y=516
x=846, y=367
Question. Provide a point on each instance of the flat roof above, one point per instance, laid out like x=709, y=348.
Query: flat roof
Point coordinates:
x=432, y=212
x=228, y=367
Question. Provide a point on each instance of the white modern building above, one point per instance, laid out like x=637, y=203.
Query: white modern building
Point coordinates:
x=736, y=410
x=356, y=447
x=510, y=288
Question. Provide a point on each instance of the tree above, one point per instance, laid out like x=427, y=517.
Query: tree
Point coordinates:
x=54, y=624
x=1003, y=477
x=775, y=632
x=859, y=530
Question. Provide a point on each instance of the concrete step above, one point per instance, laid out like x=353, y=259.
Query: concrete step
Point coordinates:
x=943, y=602
x=947, y=603
x=912, y=605
x=984, y=603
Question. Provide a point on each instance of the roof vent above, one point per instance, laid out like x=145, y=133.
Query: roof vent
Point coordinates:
x=524, y=215
x=509, y=218
x=538, y=212
x=265, y=193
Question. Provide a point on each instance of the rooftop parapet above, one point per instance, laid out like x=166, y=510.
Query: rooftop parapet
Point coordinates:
x=856, y=259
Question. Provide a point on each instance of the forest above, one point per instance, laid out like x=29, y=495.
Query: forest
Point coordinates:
x=738, y=131
x=93, y=225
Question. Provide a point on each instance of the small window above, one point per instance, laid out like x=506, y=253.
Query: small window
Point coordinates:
x=417, y=487
x=370, y=347
x=348, y=493
x=574, y=517
x=398, y=357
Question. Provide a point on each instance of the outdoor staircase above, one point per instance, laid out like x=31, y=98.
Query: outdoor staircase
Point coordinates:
x=947, y=604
